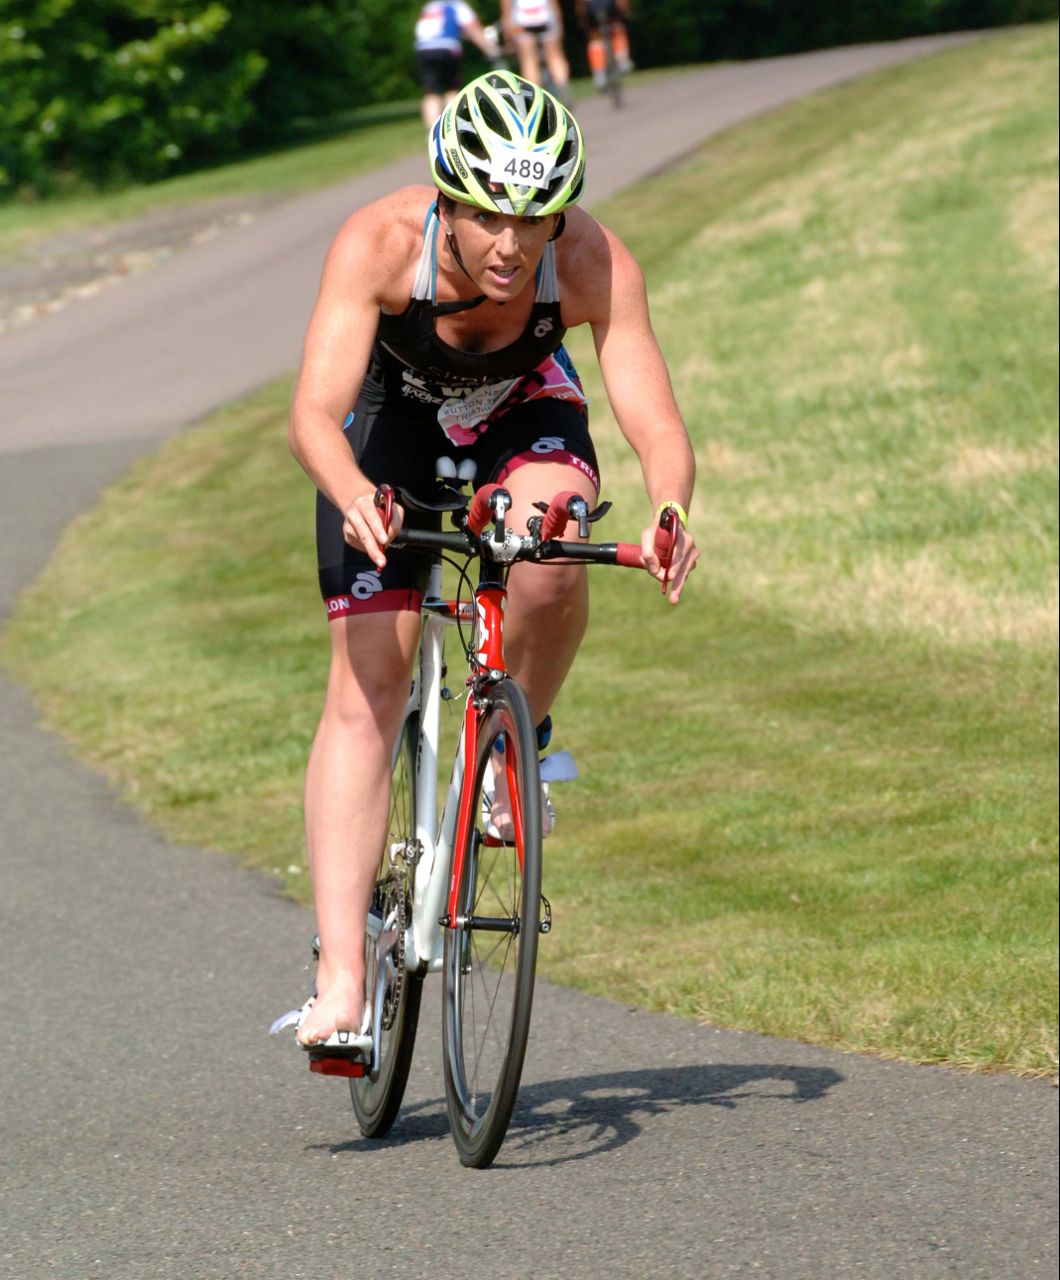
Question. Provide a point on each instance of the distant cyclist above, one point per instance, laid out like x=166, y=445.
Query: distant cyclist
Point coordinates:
x=441, y=29
x=535, y=27
x=593, y=17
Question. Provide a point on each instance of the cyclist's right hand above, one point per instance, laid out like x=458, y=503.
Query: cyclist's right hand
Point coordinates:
x=363, y=526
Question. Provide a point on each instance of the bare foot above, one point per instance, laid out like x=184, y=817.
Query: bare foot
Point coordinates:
x=501, y=808
x=340, y=1008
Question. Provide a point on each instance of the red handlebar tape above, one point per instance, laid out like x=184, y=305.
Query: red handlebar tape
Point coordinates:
x=479, y=513
x=666, y=542
x=557, y=516
x=629, y=555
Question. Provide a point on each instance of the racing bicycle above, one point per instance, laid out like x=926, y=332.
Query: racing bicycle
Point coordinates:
x=458, y=891
x=613, y=76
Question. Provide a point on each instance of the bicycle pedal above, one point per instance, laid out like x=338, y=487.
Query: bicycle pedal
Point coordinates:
x=350, y=1067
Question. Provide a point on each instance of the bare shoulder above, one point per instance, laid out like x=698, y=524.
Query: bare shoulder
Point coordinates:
x=379, y=243
x=596, y=270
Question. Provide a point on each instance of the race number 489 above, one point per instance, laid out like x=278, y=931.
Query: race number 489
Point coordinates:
x=522, y=169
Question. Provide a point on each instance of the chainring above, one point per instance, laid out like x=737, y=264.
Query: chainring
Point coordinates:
x=392, y=899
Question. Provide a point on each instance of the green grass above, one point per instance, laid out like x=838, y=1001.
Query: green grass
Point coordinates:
x=367, y=140
x=819, y=797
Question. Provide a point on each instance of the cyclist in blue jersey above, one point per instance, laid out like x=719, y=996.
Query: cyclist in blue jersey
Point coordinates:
x=441, y=29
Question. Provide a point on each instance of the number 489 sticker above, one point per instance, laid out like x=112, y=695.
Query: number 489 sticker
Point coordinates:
x=522, y=168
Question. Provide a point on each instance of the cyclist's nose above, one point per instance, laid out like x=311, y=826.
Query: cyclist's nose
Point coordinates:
x=508, y=242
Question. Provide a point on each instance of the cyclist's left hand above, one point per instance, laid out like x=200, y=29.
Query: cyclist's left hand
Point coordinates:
x=686, y=553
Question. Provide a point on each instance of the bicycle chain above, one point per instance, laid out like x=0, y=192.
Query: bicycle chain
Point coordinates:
x=395, y=883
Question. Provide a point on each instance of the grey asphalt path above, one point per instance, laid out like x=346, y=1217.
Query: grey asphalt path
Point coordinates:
x=149, y=1129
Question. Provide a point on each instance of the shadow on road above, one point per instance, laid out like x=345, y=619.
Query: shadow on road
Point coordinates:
x=560, y=1121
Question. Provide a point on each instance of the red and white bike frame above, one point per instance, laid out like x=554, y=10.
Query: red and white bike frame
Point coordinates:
x=442, y=837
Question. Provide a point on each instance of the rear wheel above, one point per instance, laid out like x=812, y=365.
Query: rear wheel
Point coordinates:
x=491, y=948
x=392, y=990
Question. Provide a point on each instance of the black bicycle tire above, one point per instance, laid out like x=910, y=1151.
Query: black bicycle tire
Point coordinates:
x=612, y=71
x=376, y=1103
x=478, y=1137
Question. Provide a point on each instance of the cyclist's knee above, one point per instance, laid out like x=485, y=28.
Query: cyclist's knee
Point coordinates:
x=552, y=589
x=364, y=707
x=541, y=482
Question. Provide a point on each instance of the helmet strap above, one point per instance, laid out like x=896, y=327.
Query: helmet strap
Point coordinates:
x=448, y=308
x=450, y=240
x=561, y=223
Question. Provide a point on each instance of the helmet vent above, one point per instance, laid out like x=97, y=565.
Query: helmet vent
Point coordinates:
x=493, y=119
x=472, y=144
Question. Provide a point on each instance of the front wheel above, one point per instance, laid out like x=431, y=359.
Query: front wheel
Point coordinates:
x=393, y=991
x=491, y=947
x=613, y=75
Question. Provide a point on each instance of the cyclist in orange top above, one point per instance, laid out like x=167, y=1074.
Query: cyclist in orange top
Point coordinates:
x=438, y=330
x=592, y=14
x=525, y=22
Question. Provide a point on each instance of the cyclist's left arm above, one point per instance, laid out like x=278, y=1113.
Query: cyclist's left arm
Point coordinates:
x=641, y=395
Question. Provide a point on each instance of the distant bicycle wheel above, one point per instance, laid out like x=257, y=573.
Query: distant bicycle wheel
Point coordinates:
x=491, y=948
x=394, y=992
x=612, y=71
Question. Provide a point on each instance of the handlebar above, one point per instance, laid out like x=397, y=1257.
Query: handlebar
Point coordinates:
x=482, y=531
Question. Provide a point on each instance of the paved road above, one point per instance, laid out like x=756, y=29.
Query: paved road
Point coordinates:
x=150, y=1129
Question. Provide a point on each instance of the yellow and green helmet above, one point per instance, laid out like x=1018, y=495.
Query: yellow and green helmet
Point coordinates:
x=505, y=144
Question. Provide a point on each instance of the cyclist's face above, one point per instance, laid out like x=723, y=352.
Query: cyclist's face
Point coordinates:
x=501, y=252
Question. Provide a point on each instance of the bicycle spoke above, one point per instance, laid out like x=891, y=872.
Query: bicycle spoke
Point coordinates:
x=377, y=1097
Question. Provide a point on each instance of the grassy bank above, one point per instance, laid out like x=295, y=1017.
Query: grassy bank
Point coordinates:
x=818, y=798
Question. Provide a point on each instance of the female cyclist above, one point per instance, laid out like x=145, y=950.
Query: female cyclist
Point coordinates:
x=440, y=320
x=533, y=23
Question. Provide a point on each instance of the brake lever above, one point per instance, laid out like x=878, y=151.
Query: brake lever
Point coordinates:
x=384, y=501
x=666, y=542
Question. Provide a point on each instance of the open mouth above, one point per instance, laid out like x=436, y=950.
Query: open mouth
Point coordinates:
x=503, y=275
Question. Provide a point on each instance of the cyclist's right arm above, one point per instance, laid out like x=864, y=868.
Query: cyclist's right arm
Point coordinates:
x=477, y=34
x=362, y=266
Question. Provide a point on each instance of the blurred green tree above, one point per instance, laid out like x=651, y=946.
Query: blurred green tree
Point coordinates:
x=108, y=91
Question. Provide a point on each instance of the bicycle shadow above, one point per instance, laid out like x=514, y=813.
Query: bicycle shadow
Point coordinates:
x=561, y=1121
